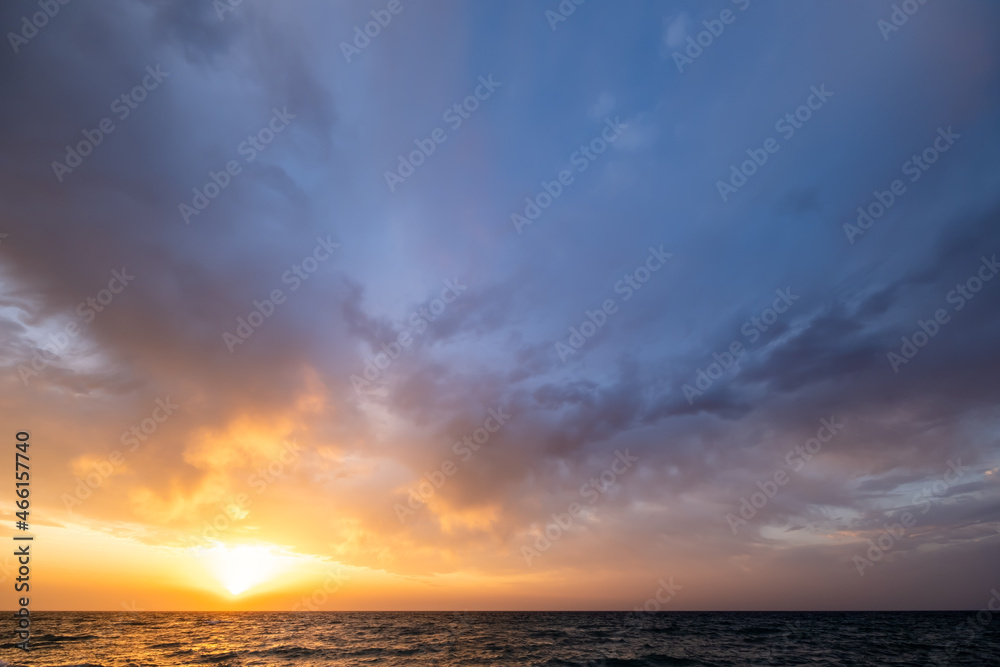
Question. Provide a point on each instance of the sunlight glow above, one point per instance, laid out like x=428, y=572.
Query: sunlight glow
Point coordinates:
x=240, y=568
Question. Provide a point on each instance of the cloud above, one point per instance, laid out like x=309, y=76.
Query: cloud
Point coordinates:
x=675, y=30
x=604, y=105
x=493, y=346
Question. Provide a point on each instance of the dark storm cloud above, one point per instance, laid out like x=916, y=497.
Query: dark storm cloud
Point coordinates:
x=119, y=208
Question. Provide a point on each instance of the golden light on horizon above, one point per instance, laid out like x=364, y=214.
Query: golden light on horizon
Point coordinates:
x=243, y=567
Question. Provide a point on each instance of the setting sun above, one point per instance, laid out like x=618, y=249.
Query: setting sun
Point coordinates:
x=241, y=568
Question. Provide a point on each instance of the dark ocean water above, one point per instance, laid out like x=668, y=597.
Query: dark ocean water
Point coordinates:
x=507, y=638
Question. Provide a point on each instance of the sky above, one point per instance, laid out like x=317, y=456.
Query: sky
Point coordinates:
x=519, y=305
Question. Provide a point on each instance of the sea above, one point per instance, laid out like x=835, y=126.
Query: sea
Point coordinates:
x=543, y=639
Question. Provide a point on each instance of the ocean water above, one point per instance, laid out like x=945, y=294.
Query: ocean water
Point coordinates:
x=507, y=638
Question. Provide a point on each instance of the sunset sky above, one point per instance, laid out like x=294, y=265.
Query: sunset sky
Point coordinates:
x=501, y=309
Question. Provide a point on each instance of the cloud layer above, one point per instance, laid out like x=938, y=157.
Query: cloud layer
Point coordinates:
x=382, y=330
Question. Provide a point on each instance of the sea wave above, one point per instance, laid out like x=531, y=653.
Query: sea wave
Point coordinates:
x=599, y=639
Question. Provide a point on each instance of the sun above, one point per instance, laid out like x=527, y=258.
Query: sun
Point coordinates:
x=240, y=568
